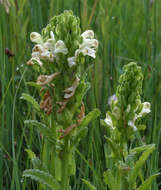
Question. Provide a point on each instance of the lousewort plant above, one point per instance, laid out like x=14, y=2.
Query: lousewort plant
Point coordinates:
x=123, y=123
x=59, y=59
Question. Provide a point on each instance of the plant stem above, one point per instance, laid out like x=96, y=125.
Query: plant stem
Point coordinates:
x=65, y=166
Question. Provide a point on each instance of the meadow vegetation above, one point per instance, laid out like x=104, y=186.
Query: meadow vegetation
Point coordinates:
x=127, y=31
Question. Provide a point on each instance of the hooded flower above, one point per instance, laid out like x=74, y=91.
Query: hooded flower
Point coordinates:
x=108, y=121
x=46, y=50
x=60, y=47
x=145, y=109
x=89, y=44
x=36, y=37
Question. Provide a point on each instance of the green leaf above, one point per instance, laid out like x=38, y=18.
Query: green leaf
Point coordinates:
x=58, y=165
x=42, y=128
x=135, y=171
x=37, y=164
x=82, y=128
x=30, y=153
x=31, y=100
x=91, y=187
x=34, y=84
x=81, y=133
x=72, y=165
x=42, y=177
x=114, y=147
x=109, y=180
x=79, y=94
x=89, y=117
x=141, y=148
x=103, y=123
x=147, y=183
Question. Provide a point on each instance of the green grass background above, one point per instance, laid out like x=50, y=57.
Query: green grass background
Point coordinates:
x=127, y=30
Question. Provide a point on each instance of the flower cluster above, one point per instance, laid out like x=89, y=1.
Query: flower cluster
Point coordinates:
x=47, y=50
x=141, y=110
x=126, y=106
x=87, y=47
x=62, y=36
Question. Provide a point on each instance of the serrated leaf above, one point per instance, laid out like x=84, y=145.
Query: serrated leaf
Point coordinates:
x=135, y=171
x=42, y=177
x=31, y=100
x=91, y=187
x=110, y=180
x=42, y=128
x=147, y=183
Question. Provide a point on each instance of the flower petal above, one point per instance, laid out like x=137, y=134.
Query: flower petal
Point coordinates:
x=111, y=99
x=145, y=109
x=36, y=37
x=88, y=34
x=86, y=51
x=108, y=121
x=38, y=48
x=33, y=60
x=60, y=47
x=131, y=124
x=71, y=61
x=91, y=43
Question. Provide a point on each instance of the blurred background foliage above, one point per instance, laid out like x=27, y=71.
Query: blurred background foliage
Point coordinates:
x=126, y=30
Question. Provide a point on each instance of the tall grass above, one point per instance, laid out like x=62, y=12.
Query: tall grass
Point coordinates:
x=127, y=31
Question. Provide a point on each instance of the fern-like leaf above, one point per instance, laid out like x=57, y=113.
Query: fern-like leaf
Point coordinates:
x=42, y=177
x=42, y=128
x=31, y=100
